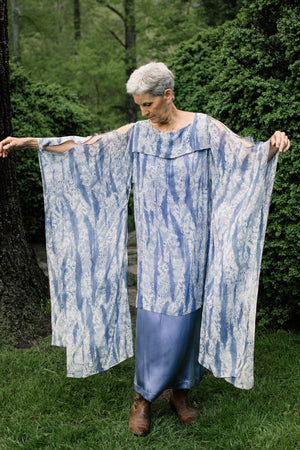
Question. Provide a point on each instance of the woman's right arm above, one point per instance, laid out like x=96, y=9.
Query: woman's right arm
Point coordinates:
x=11, y=143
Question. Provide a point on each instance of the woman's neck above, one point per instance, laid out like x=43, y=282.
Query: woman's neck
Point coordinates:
x=175, y=120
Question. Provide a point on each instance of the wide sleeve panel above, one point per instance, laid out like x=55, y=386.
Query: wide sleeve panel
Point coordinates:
x=86, y=194
x=241, y=186
x=50, y=141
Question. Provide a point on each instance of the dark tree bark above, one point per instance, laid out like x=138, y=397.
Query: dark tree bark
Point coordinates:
x=77, y=30
x=23, y=286
x=15, y=15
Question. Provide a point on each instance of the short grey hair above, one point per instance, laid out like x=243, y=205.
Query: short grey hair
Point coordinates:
x=153, y=78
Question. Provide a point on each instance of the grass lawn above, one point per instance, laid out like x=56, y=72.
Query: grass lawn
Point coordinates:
x=42, y=409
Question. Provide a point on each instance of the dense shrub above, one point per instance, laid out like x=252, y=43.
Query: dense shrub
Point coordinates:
x=40, y=110
x=246, y=74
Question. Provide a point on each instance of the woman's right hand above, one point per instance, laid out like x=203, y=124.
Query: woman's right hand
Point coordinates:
x=12, y=143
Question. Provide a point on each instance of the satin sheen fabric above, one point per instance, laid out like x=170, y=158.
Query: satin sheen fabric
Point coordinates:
x=166, y=352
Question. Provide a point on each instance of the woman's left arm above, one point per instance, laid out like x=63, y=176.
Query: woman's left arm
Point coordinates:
x=278, y=142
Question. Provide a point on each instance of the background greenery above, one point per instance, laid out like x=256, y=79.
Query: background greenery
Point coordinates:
x=41, y=109
x=237, y=61
x=246, y=74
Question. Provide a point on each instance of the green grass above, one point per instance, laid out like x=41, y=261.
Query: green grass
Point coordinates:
x=42, y=409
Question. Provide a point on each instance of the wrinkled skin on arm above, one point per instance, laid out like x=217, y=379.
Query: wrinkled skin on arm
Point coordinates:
x=13, y=143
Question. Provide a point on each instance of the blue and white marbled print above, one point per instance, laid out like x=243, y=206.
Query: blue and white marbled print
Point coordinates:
x=201, y=205
x=242, y=182
x=86, y=193
x=172, y=213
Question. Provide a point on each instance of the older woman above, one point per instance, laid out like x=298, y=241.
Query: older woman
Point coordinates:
x=201, y=197
x=175, y=203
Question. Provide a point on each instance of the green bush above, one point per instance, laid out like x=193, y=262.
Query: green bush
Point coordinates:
x=40, y=110
x=246, y=74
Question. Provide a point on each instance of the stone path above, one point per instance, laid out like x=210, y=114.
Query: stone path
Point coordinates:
x=132, y=272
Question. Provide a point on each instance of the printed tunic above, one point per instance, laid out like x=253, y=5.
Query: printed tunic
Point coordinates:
x=201, y=205
x=172, y=214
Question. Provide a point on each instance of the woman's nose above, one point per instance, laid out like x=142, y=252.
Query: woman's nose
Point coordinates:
x=144, y=111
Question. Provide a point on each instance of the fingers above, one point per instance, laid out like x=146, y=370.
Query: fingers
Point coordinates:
x=6, y=146
x=280, y=141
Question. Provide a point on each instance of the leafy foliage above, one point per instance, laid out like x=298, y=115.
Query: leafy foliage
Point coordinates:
x=246, y=74
x=41, y=110
x=91, y=66
x=94, y=65
x=217, y=12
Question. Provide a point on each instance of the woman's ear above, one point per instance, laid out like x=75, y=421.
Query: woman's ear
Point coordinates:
x=168, y=95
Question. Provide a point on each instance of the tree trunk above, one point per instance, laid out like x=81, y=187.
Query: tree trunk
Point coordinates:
x=130, y=53
x=23, y=286
x=77, y=31
x=62, y=15
x=15, y=15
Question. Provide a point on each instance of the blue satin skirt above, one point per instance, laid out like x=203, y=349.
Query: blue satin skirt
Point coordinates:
x=167, y=349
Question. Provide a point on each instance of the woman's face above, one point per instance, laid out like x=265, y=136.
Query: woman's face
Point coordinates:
x=157, y=109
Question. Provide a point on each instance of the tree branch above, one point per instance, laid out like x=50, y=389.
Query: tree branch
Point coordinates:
x=112, y=9
x=117, y=38
x=116, y=12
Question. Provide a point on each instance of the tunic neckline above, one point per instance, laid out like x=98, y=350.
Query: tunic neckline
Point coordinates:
x=172, y=131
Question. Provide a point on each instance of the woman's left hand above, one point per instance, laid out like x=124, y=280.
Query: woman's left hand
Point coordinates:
x=278, y=142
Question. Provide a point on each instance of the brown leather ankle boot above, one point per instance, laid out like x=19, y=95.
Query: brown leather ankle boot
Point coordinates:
x=139, y=422
x=180, y=404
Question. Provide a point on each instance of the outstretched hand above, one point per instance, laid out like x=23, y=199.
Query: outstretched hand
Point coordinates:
x=12, y=143
x=280, y=141
x=6, y=146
